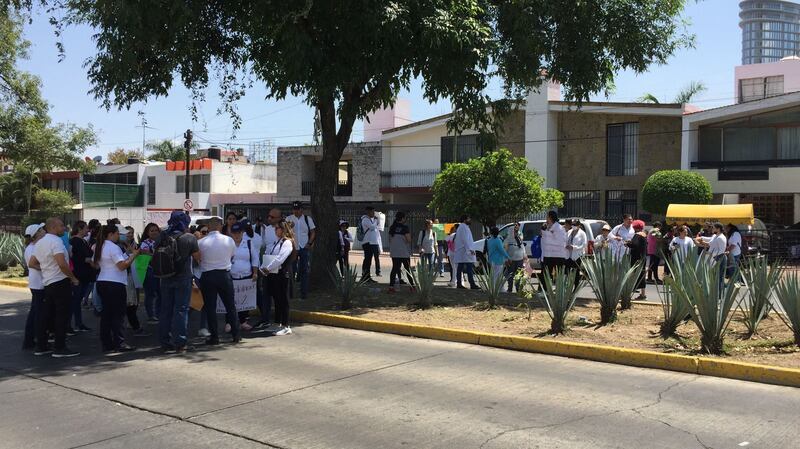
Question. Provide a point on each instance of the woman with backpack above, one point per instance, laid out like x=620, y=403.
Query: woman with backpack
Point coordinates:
x=426, y=244
x=81, y=257
x=400, y=250
x=515, y=248
x=111, y=286
x=244, y=265
x=343, y=250
x=152, y=288
x=278, y=271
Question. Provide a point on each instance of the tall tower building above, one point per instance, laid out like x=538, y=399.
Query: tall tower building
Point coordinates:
x=770, y=30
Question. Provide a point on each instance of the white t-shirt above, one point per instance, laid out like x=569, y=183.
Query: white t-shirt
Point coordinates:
x=216, y=251
x=716, y=244
x=110, y=255
x=736, y=241
x=45, y=252
x=370, y=228
x=683, y=244
x=301, y=230
x=268, y=236
x=34, y=276
x=618, y=246
x=244, y=259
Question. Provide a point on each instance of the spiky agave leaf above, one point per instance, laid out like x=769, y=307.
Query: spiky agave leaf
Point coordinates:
x=760, y=279
x=348, y=284
x=559, y=297
x=788, y=293
x=492, y=283
x=676, y=310
x=424, y=276
x=611, y=278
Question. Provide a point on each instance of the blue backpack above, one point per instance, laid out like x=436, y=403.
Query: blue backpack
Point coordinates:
x=536, y=247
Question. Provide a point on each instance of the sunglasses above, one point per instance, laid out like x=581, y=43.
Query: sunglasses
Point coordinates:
x=204, y=232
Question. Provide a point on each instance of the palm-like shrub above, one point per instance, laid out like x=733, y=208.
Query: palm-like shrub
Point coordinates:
x=348, y=285
x=491, y=282
x=760, y=278
x=611, y=279
x=423, y=275
x=12, y=250
x=559, y=297
x=711, y=304
x=788, y=293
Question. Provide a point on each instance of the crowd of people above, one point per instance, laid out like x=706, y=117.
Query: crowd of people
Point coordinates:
x=94, y=267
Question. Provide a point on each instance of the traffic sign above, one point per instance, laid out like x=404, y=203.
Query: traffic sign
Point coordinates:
x=188, y=205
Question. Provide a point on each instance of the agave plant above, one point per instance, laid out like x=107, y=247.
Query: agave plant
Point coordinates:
x=611, y=279
x=423, y=275
x=348, y=284
x=491, y=282
x=676, y=310
x=711, y=301
x=760, y=278
x=12, y=250
x=559, y=294
x=788, y=293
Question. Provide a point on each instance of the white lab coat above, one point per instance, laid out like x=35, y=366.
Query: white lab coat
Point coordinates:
x=578, y=244
x=618, y=247
x=463, y=245
x=554, y=241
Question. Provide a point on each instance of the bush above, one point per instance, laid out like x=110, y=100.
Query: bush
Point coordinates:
x=424, y=275
x=788, y=294
x=674, y=187
x=51, y=203
x=760, y=279
x=676, y=310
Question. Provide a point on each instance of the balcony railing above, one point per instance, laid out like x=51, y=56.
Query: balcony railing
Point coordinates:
x=752, y=163
x=408, y=178
x=342, y=188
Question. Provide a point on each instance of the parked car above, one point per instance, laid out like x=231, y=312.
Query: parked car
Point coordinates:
x=532, y=229
x=755, y=239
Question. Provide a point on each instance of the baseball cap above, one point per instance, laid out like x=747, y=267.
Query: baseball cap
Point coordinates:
x=343, y=222
x=32, y=229
x=237, y=227
x=606, y=227
x=297, y=205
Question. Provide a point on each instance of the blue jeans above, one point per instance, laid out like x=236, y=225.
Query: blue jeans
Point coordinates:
x=467, y=268
x=173, y=318
x=441, y=251
x=733, y=263
x=302, y=271
x=213, y=284
x=152, y=295
x=427, y=258
x=37, y=299
x=78, y=293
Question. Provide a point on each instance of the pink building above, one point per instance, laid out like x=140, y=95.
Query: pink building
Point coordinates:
x=759, y=81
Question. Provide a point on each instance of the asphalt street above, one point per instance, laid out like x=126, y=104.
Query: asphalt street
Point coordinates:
x=334, y=388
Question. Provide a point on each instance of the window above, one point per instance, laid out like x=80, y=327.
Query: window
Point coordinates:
x=344, y=179
x=621, y=148
x=619, y=202
x=111, y=178
x=199, y=183
x=581, y=203
x=460, y=148
x=758, y=88
x=151, y=190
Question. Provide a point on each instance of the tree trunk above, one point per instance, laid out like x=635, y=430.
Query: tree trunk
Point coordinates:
x=323, y=207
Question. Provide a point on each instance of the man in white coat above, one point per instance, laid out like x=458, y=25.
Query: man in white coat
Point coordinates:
x=554, y=244
x=576, y=248
x=620, y=235
x=464, y=254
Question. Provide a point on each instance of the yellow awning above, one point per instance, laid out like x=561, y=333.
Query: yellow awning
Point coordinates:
x=699, y=213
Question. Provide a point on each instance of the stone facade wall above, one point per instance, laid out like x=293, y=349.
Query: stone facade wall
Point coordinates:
x=290, y=164
x=512, y=136
x=582, y=151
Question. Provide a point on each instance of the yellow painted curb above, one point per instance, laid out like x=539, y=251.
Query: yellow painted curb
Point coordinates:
x=14, y=283
x=707, y=366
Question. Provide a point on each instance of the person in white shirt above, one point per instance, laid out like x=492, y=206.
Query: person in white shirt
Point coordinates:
x=263, y=297
x=33, y=233
x=370, y=244
x=245, y=263
x=576, y=245
x=601, y=241
x=681, y=244
x=620, y=235
x=50, y=258
x=216, y=253
x=554, y=244
x=734, y=248
x=304, y=236
x=278, y=270
x=464, y=254
x=112, y=282
x=716, y=249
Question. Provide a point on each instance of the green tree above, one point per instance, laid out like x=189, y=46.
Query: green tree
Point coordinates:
x=51, y=203
x=686, y=94
x=15, y=190
x=667, y=187
x=167, y=150
x=347, y=58
x=121, y=156
x=491, y=186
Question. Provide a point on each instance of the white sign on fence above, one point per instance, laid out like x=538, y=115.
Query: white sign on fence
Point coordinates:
x=244, y=296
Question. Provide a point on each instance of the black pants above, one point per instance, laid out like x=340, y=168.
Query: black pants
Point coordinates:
x=511, y=271
x=370, y=252
x=652, y=270
x=133, y=318
x=114, y=298
x=574, y=265
x=398, y=263
x=344, y=261
x=277, y=285
x=37, y=304
x=219, y=283
x=265, y=300
x=549, y=265
x=57, y=301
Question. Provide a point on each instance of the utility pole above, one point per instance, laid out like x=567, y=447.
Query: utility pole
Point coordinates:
x=187, y=144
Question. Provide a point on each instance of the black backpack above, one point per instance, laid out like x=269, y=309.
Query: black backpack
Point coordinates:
x=165, y=257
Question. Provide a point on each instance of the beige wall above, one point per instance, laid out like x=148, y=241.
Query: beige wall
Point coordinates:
x=582, y=156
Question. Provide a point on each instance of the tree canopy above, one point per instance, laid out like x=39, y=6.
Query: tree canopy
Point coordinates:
x=166, y=150
x=121, y=156
x=667, y=187
x=685, y=95
x=347, y=58
x=490, y=187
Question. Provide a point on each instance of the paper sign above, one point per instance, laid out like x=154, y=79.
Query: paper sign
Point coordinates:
x=244, y=296
x=266, y=260
x=438, y=228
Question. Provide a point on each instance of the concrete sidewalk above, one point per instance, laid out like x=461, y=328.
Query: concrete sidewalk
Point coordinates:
x=336, y=388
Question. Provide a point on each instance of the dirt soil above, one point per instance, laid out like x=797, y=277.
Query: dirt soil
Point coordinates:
x=637, y=328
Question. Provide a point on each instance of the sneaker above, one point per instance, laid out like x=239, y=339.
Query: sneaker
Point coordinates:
x=141, y=333
x=227, y=328
x=245, y=326
x=43, y=351
x=184, y=349
x=152, y=320
x=124, y=347
x=261, y=325
x=212, y=341
x=204, y=333
x=283, y=331
x=71, y=332
x=474, y=287
x=66, y=352
x=84, y=328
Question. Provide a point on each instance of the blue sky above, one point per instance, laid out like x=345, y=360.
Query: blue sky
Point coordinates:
x=289, y=122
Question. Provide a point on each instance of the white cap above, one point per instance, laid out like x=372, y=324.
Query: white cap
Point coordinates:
x=32, y=229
